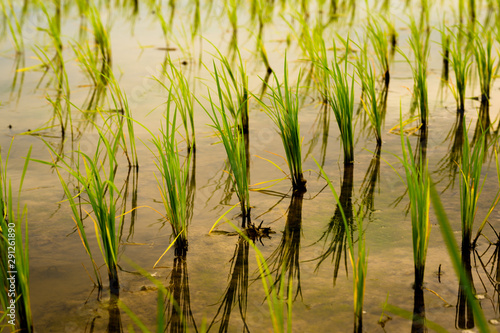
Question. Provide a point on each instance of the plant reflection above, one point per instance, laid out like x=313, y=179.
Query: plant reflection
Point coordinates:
x=335, y=236
x=285, y=260
x=236, y=291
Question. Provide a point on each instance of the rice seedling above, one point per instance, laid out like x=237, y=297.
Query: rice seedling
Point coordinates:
x=15, y=27
x=418, y=184
x=380, y=43
x=313, y=47
x=482, y=47
x=124, y=113
x=98, y=74
x=419, y=43
x=235, y=90
x=183, y=98
x=15, y=298
x=460, y=59
x=471, y=187
x=359, y=262
x=454, y=252
x=228, y=129
x=341, y=99
x=101, y=194
x=371, y=102
x=173, y=183
x=101, y=36
x=284, y=113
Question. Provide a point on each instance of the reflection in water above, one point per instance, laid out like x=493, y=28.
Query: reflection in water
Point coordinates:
x=418, y=323
x=448, y=165
x=285, y=260
x=335, y=237
x=124, y=194
x=372, y=178
x=178, y=306
x=464, y=318
x=115, y=321
x=237, y=289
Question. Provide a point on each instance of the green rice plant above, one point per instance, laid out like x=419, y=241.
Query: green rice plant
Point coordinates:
x=460, y=59
x=370, y=101
x=15, y=298
x=183, y=98
x=97, y=71
x=313, y=47
x=341, y=99
x=471, y=187
x=124, y=113
x=454, y=252
x=101, y=36
x=228, y=129
x=482, y=47
x=15, y=27
x=173, y=183
x=235, y=90
x=419, y=43
x=359, y=262
x=98, y=189
x=284, y=112
x=380, y=43
x=418, y=184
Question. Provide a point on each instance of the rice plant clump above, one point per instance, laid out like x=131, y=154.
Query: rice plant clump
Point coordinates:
x=95, y=176
x=285, y=114
x=229, y=130
x=341, y=99
x=460, y=59
x=370, y=100
x=173, y=183
x=418, y=183
x=482, y=47
x=419, y=43
x=14, y=260
x=470, y=187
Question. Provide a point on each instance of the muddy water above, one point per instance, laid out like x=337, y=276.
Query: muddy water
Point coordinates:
x=219, y=269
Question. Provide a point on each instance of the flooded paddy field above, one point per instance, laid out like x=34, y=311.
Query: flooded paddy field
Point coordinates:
x=177, y=161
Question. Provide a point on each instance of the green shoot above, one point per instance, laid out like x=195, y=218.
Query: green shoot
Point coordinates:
x=14, y=246
x=341, y=99
x=460, y=61
x=173, y=183
x=418, y=182
x=419, y=43
x=229, y=131
x=284, y=113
